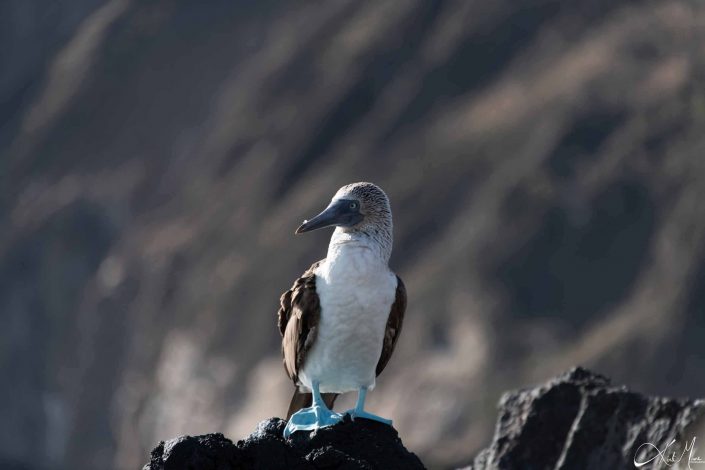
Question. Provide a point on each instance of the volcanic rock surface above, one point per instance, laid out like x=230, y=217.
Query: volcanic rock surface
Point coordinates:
x=574, y=421
x=362, y=444
x=579, y=421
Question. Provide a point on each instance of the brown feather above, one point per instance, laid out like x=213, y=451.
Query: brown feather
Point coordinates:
x=299, y=313
x=394, y=324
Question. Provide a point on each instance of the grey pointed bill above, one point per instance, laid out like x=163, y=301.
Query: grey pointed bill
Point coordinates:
x=339, y=213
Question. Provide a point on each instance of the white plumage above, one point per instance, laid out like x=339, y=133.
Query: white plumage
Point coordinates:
x=356, y=290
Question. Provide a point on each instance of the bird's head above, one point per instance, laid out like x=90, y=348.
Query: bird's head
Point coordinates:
x=355, y=207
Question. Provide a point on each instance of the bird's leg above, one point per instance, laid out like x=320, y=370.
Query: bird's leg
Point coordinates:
x=359, y=410
x=316, y=416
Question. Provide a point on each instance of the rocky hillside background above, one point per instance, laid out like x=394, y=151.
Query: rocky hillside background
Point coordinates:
x=545, y=161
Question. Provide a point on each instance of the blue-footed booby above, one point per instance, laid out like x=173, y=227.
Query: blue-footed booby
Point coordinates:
x=341, y=319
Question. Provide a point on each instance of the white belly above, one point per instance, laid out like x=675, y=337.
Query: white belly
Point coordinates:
x=356, y=292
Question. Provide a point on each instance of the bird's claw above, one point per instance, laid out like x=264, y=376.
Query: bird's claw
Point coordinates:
x=354, y=413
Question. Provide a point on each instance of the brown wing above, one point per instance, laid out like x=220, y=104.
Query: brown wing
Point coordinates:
x=299, y=313
x=394, y=323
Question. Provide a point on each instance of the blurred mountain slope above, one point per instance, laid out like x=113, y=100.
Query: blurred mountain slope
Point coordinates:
x=544, y=161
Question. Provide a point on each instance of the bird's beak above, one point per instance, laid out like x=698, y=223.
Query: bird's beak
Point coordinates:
x=337, y=213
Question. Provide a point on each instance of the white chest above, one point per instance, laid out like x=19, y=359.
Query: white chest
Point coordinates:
x=356, y=291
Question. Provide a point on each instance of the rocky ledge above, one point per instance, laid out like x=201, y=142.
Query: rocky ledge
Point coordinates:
x=579, y=421
x=348, y=445
x=575, y=421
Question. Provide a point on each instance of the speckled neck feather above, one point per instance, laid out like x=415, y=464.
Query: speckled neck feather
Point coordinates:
x=375, y=230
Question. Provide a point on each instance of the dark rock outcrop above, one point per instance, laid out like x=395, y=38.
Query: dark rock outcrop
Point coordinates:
x=349, y=445
x=579, y=421
x=575, y=421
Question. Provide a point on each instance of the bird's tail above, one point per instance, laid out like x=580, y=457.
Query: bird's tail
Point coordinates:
x=303, y=400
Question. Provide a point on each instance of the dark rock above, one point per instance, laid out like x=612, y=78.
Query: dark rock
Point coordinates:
x=348, y=445
x=579, y=421
x=575, y=421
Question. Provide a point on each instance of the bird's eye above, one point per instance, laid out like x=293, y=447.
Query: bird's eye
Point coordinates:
x=353, y=205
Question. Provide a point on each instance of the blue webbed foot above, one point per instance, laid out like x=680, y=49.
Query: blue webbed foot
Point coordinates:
x=355, y=413
x=311, y=418
x=359, y=410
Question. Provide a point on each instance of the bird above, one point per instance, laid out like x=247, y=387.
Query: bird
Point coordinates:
x=342, y=318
